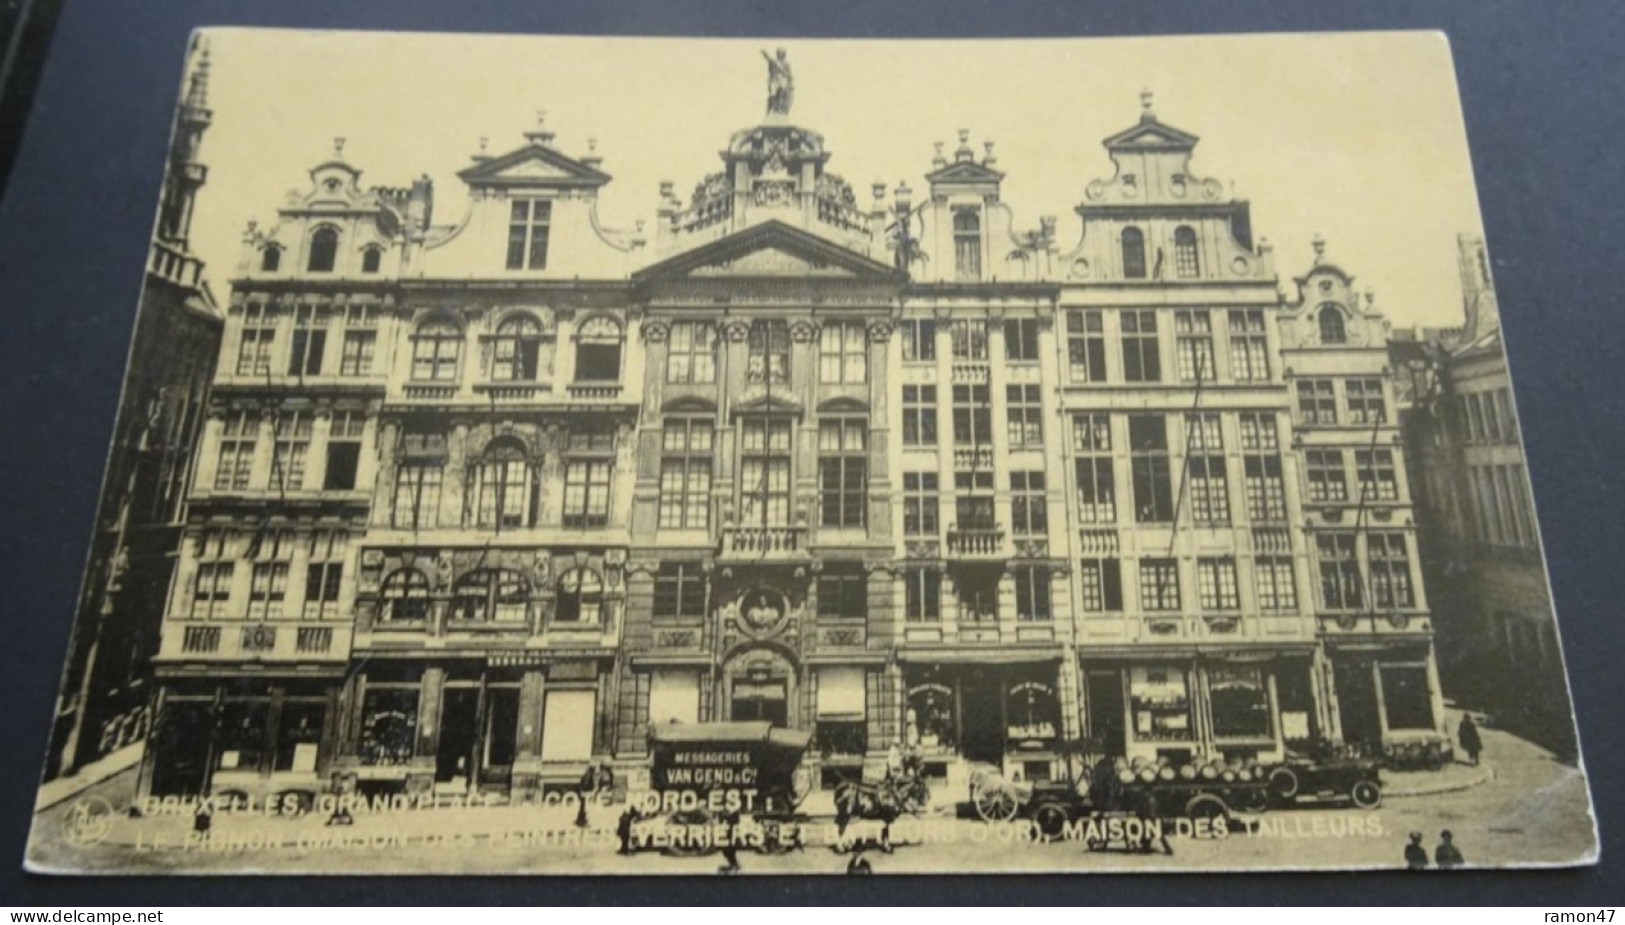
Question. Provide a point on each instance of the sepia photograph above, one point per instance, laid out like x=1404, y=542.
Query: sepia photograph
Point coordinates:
x=791, y=456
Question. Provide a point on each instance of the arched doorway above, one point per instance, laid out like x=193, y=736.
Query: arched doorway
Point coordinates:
x=759, y=683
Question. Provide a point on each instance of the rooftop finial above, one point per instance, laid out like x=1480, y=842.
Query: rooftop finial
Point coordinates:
x=1319, y=244
x=964, y=152
x=1146, y=115
x=540, y=135
x=987, y=153
x=338, y=148
x=485, y=140
x=937, y=160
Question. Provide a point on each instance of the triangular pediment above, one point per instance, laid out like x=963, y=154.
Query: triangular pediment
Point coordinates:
x=769, y=250
x=1152, y=134
x=965, y=172
x=534, y=166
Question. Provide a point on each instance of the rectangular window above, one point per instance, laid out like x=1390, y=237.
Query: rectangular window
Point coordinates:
x=1193, y=341
x=268, y=576
x=919, y=339
x=1258, y=432
x=767, y=359
x=1141, y=360
x=417, y=496
x=1032, y=594
x=211, y=587
x=1249, y=346
x=586, y=493
x=1266, y=491
x=687, y=446
x=1277, y=588
x=973, y=416
x=1324, y=469
x=843, y=592
x=343, y=450
x=843, y=353
x=969, y=339
x=254, y=349
x=527, y=234
x=1096, y=480
x=1390, y=570
x=1148, y=459
x=922, y=595
x=309, y=340
x=1375, y=469
x=1492, y=418
x=292, y=448
x=973, y=501
x=1029, y=506
x=692, y=355
x=1159, y=584
x=1317, y=402
x=843, y=468
x=1102, y=583
x=1021, y=340
x=1209, y=490
x=236, y=462
x=1216, y=584
x=919, y=415
x=1509, y=419
x=1366, y=405
x=1026, y=421
x=1086, y=345
x=920, y=503
x=1340, y=580
x=764, y=473
x=325, y=574
x=359, y=349
x=680, y=591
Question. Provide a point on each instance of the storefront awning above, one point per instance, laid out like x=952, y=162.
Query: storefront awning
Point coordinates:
x=841, y=693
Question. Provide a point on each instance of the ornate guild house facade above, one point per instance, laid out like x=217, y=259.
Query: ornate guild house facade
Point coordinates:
x=484, y=498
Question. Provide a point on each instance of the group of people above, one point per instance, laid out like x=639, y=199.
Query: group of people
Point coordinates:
x=1445, y=857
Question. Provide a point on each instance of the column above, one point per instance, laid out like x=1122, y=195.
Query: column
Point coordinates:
x=880, y=423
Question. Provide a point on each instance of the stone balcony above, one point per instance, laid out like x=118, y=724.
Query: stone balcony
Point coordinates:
x=773, y=544
x=977, y=544
x=257, y=641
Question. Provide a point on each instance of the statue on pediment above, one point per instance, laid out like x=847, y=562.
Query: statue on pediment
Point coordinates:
x=780, y=85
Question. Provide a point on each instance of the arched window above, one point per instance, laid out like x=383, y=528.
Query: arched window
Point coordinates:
x=371, y=259
x=271, y=258
x=581, y=597
x=436, y=346
x=516, y=348
x=324, y=249
x=967, y=244
x=405, y=597
x=598, y=350
x=1332, y=330
x=1133, y=253
x=491, y=595
x=1187, y=265
x=503, y=486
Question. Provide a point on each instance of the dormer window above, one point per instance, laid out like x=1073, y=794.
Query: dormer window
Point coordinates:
x=1133, y=241
x=967, y=244
x=371, y=259
x=527, y=234
x=324, y=248
x=271, y=258
x=1332, y=330
x=598, y=351
x=1187, y=264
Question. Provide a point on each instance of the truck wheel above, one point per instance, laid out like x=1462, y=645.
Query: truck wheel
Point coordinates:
x=1252, y=800
x=995, y=803
x=1284, y=784
x=1051, y=819
x=1366, y=794
x=1206, y=806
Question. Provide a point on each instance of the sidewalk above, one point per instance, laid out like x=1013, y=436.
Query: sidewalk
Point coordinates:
x=55, y=791
x=1448, y=779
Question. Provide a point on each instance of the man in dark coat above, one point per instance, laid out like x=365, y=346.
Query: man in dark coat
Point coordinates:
x=1470, y=742
x=1447, y=856
x=584, y=792
x=1416, y=856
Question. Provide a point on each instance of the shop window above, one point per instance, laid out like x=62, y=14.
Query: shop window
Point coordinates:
x=1032, y=714
x=404, y=597
x=1241, y=703
x=241, y=743
x=324, y=248
x=841, y=738
x=929, y=721
x=598, y=350
x=491, y=595
x=1406, y=697
x=1159, y=700
x=1086, y=346
x=299, y=736
x=389, y=722
x=580, y=597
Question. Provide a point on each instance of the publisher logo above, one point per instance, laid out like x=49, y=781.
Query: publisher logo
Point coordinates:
x=88, y=822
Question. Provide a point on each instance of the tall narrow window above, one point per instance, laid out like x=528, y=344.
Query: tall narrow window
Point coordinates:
x=1332, y=328
x=254, y=349
x=686, y=449
x=768, y=357
x=920, y=503
x=919, y=415
x=270, y=258
x=843, y=353
x=504, y=487
x=236, y=461
x=973, y=416
x=1249, y=346
x=417, y=496
x=1097, y=486
x=372, y=258
x=345, y=429
x=1159, y=584
x=1216, y=584
x=1133, y=241
x=1026, y=416
x=1209, y=485
x=1366, y=404
x=969, y=337
x=1086, y=346
x=1317, y=401
x=586, y=492
x=580, y=597
x=1261, y=467
x=1029, y=505
x=1390, y=570
x=211, y=587
x=516, y=350
x=843, y=467
x=1101, y=580
x=598, y=350
x=309, y=340
x=1193, y=339
x=1032, y=594
x=1021, y=340
x=680, y=591
x=967, y=244
x=324, y=248
x=1375, y=470
x=1324, y=469
x=1141, y=359
x=1277, y=588
x=528, y=223
x=1339, y=571
x=437, y=345
x=1148, y=458
x=919, y=339
x=764, y=473
x=359, y=350
x=324, y=574
x=292, y=451
x=922, y=595
x=268, y=577
x=691, y=357
x=1187, y=265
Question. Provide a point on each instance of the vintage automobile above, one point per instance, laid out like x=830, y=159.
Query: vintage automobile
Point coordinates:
x=1356, y=780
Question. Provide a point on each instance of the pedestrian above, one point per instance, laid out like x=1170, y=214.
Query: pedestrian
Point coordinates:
x=1416, y=856
x=203, y=819
x=1467, y=732
x=623, y=827
x=859, y=865
x=1447, y=856
x=730, y=850
x=584, y=789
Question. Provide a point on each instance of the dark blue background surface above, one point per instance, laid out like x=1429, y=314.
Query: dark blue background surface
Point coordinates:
x=1542, y=93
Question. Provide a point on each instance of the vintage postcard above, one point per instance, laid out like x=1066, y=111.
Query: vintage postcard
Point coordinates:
x=581, y=455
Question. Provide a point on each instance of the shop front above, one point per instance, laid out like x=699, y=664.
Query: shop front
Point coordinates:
x=1388, y=696
x=1007, y=715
